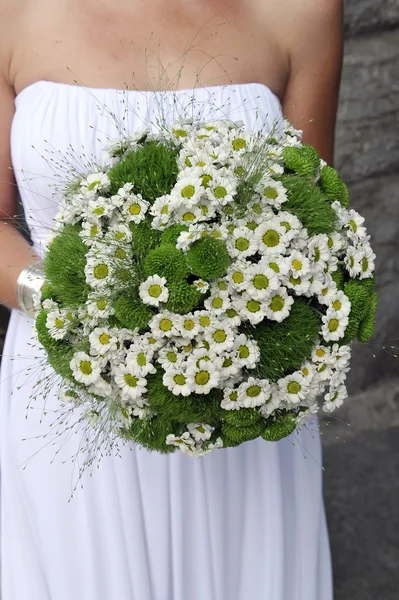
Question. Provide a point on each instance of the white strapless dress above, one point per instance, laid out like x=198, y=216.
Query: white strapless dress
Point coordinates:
x=245, y=523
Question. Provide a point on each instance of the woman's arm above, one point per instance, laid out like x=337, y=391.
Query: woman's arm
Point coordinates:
x=315, y=31
x=15, y=252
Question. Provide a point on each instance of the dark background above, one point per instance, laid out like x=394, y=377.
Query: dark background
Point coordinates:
x=361, y=441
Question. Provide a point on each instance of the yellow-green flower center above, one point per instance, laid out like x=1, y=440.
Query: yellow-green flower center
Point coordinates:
x=238, y=277
x=337, y=305
x=260, y=282
x=172, y=357
x=333, y=325
x=253, y=306
x=180, y=133
x=101, y=271
x=271, y=238
x=353, y=225
x=189, y=324
x=165, y=325
x=270, y=192
x=239, y=144
x=297, y=264
x=85, y=367
x=219, y=191
x=141, y=359
x=253, y=391
x=243, y=351
x=104, y=339
x=155, y=290
x=179, y=379
x=59, y=323
x=130, y=380
x=242, y=244
x=101, y=304
x=205, y=321
x=202, y=377
x=219, y=336
x=294, y=387
x=188, y=216
x=230, y=312
x=188, y=191
x=135, y=209
x=277, y=303
x=217, y=302
x=233, y=396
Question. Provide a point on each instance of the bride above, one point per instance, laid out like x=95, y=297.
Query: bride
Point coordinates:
x=244, y=523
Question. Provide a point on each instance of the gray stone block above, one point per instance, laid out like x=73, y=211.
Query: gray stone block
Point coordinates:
x=367, y=135
x=368, y=15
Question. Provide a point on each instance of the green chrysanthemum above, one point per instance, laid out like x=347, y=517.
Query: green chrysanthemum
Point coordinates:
x=243, y=416
x=307, y=202
x=144, y=238
x=151, y=433
x=64, y=267
x=367, y=325
x=168, y=262
x=284, y=346
x=359, y=292
x=304, y=160
x=241, y=433
x=170, y=235
x=208, y=258
x=331, y=183
x=152, y=168
x=280, y=428
x=338, y=277
x=131, y=312
x=183, y=297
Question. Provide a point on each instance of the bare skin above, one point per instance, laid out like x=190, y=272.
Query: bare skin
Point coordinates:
x=294, y=47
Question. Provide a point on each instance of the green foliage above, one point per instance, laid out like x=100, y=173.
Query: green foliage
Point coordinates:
x=183, y=298
x=47, y=292
x=151, y=433
x=303, y=160
x=64, y=266
x=166, y=261
x=195, y=408
x=241, y=433
x=284, y=346
x=367, y=325
x=59, y=353
x=339, y=277
x=131, y=312
x=331, y=183
x=208, y=258
x=359, y=292
x=152, y=168
x=345, y=199
x=307, y=202
x=243, y=416
x=144, y=238
x=170, y=234
x=283, y=426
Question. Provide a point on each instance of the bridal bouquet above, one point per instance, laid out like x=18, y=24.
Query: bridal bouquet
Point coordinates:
x=204, y=287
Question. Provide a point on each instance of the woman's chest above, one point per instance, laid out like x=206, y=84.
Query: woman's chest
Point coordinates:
x=150, y=44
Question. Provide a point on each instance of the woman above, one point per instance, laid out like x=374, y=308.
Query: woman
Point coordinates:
x=245, y=523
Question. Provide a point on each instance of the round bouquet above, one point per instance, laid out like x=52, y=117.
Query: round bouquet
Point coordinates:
x=204, y=286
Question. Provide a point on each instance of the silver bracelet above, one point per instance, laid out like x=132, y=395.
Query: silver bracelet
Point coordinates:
x=29, y=285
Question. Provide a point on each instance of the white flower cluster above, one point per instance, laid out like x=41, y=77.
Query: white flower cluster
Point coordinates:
x=274, y=259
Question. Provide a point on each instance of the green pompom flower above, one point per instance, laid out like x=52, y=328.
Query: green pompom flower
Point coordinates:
x=131, y=312
x=208, y=258
x=304, y=160
x=241, y=433
x=282, y=427
x=183, y=297
x=331, y=183
x=170, y=234
x=243, y=416
x=166, y=261
x=367, y=325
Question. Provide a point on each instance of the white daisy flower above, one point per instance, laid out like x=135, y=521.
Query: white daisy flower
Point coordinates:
x=334, y=326
x=102, y=342
x=236, y=274
x=91, y=232
x=202, y=377
x=230, y=365
x=139, y=360
x=99, y=307
x=58, y=323
x=219, y=337
x=242, y=243
x=253, y=392
x=230, y=399
x=273, y=192
x=293, y=388
x=118, y=233
x=98, y=271
x=97, y=209
x=96, y=182
x=217, y=303
x=298, y=264
x=162, y=210
x=260, y=281
x=271, y=237
x=200, y=431
x=277, y=262
x=148, y=341
x=222, y=189
x=101, y=388
x=325, y=288
x=335, y=398
x=277, y=306
x=153, y=290
x=176, y=380
x=321, y=354
x=205, y=320
x=338, y=377
x=249, y=308
x=340, y=355
x=300, y=285
x=189, y=326
x=164, y=325
x=272, y=402
x=183, y=441
x=353, y=261
x=232, y=316
x=170, y=357
x=133, y=386
x=85, y=368
x=354, y=225
x=291, y=223
x=201, y=285
x=134, y=208
x=304, y=415
x=122, y=197
x=247, y=350
x=186, y=216
x=367, y=261
x=318, y=251
x=336, y=242
x=340, y=303
x=188, y=190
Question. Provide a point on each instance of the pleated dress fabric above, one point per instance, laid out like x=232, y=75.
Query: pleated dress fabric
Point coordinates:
x=245, y=523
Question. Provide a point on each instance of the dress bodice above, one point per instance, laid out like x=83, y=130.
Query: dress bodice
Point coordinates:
x=58, y=127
